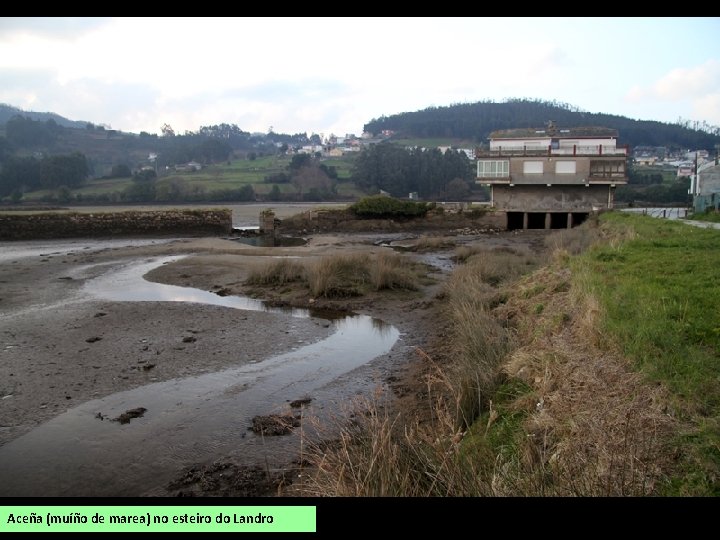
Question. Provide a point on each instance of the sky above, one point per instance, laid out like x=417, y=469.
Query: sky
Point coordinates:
x=333, y=75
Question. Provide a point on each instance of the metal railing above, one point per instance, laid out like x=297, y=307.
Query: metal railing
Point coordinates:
x=576, y=150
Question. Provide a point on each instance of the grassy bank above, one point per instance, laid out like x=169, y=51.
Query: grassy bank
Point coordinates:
x=594, y=374
x=713, y=217
x=660, y=295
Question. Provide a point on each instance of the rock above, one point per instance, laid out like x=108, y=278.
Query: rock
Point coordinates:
x=128, y=415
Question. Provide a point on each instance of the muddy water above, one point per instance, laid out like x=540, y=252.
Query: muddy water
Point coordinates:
x=84, y=453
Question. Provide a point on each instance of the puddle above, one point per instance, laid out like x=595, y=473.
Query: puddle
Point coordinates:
x=270, y=241
x=188, y=420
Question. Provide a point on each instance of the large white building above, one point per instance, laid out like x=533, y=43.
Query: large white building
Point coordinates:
x=550, y=177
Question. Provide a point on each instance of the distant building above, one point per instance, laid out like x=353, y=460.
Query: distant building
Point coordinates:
x=701, y=155
x=469, y=152
x=550, y=177
x=686, y=168
x=310, y=149
x=646, y=160
x=190, y=166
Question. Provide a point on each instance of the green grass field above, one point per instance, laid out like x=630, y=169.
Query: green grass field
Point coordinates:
x=669, y=174
x=661, y=298
x=218, y=177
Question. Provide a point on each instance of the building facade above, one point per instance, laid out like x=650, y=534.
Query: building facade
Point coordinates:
x=550, y=177
x=705, y=187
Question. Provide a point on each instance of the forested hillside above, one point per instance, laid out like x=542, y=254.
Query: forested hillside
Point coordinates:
x=475, y=121
x=8, y=111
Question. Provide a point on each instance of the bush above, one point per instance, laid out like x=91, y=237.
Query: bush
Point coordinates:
x=382, y=206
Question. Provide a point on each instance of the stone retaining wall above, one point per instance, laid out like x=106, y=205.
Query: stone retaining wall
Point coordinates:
x=103, y=224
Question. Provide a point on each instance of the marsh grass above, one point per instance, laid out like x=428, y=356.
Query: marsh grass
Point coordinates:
x=278, y=272
x=341, y=276
x=611, y=389
x=433, y=243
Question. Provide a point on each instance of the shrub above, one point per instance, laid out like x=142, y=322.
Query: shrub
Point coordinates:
x=382, y=206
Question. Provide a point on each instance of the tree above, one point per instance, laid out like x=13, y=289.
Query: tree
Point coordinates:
x=25, y=132
x=275, y=194
x=167, y=130
x=63, y=194
x=5, y=149
x=311, y=179
x=174, y=189
x=19, y=174
x=212, y=150
x=140, y=192
x=120, y=171
x=457, y=189
x=299, y=161
x=63, y=170
x=145, y=176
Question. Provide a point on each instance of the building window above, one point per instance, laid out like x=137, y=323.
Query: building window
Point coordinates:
x=565, y=167
x=607, y=169
x=532, y=167
x=493, y=168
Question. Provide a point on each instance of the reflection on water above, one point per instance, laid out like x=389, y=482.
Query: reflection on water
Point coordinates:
x=187, y=420
x=270, y=241
x=129, y=285
x=53, y=248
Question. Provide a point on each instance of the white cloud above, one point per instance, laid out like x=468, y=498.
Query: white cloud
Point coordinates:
x=707, y=108
x=697, y=87
x=689, y=83
x=335, y=74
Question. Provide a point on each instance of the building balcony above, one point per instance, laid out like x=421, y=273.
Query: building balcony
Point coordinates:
x=553, y=180
x=577, y=150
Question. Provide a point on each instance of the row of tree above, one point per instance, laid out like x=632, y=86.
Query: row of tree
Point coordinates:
x=676, y=192
x=209, y=144
x=400, y=171
x=22, y=132
x=21, y=174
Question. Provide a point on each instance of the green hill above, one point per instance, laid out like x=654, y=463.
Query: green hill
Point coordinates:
x=475, y=121
x=8, y=111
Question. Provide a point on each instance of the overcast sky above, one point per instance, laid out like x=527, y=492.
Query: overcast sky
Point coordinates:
x=333, y=75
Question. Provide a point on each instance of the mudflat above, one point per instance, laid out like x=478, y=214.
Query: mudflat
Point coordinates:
x=64, y=344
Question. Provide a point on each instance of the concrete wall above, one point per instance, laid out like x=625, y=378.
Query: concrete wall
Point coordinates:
x=582, y=170
x=709, y=181
x=528, y=198
x=17, y=226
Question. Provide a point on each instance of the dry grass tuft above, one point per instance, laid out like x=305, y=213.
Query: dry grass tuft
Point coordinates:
x=433, y=243
x=278, y=272
x=339, y=276
x=391, y=271
x=597, y=427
